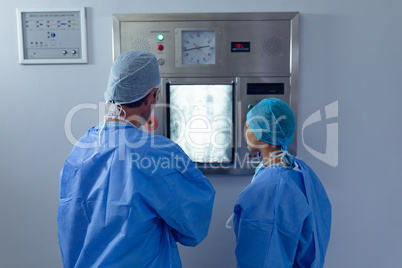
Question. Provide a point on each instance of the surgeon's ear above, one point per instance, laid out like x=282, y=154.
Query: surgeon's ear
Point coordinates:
x=149, y=97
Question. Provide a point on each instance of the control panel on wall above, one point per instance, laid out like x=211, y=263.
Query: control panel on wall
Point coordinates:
x=52, y=36
x=210, y=44
x=214, y=69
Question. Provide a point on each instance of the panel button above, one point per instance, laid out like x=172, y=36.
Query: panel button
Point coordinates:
x=161, y=61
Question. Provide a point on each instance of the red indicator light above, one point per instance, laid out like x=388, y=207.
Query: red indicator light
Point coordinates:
x=239, y=46
x=160, y=47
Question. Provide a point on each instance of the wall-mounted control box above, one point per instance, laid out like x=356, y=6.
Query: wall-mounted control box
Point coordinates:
x=52, y=36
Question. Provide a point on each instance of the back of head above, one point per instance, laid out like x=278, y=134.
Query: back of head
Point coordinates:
x=273, y=122
x=133, y=75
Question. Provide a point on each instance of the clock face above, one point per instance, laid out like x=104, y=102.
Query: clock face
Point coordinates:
x=198, y=47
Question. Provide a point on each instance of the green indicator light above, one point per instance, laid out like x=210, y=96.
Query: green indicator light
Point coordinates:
x=160, y=37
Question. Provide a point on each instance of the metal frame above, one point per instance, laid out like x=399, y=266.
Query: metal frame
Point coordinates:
x=218, y=42
x=83, y=27
x=197, y=73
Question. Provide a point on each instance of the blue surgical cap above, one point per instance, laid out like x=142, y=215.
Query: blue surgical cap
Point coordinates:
x=273, y=122
x=132, y=76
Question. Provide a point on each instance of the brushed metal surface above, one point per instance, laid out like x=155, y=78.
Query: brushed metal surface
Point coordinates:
x=273, y=58
x=269, y=34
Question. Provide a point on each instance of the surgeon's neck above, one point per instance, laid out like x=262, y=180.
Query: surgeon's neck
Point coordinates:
x=136, y=123
x=133, y=115
x=266, y=152
x=138, y=116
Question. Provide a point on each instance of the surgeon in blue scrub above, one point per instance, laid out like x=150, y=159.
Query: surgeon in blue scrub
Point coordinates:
x=283, y=217
x=127, y=197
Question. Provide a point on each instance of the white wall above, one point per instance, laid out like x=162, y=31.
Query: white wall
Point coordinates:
x=350, y=52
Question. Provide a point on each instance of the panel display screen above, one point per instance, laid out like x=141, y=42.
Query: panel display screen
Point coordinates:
x=240, y=47
x=200, y=121
x=265, y=89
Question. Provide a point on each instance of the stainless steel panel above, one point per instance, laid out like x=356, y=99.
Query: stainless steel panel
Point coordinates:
x=273, y=58
x=270, y=38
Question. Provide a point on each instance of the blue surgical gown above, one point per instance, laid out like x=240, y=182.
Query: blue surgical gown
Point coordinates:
x=282, y=219
x=127, y=203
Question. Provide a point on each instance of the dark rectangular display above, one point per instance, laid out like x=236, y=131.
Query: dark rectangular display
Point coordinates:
x=240, y=47
x=265, y=89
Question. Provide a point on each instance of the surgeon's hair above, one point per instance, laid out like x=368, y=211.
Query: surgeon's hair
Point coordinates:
x=139, y=102
x=135, y=104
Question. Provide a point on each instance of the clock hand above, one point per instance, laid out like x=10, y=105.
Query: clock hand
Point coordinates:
x=200, y=50
x=194, y=48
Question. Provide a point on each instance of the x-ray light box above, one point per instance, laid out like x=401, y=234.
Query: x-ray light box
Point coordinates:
x=200, y=120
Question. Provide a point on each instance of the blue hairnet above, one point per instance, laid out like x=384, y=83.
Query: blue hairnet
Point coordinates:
x=132, y=76
x=273, y=122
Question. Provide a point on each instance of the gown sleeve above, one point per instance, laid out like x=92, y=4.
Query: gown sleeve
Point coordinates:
x=183, y=198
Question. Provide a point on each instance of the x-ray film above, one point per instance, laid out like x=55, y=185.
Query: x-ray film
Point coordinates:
x=201, y=121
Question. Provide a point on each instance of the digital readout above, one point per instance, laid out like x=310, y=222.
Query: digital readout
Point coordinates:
x=240, y=47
